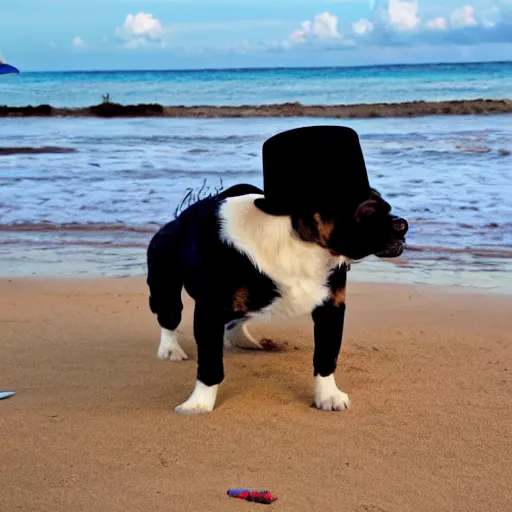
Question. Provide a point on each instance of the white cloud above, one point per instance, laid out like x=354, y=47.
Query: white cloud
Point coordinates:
x=436, y=24
x=301, y=33
x=403, y=14
x=323, y=27
x=463, y=17
x=398, y=22
x=78, y=42
x=361, y=27
x=393, y=23
x=140, y=29
x=396, y=15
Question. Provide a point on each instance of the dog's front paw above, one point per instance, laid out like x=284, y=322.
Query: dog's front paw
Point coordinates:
x=169, y=347
x=201, y=401
x=189, y=407
x=338, y=401
x=327, y=395
x=171, y=353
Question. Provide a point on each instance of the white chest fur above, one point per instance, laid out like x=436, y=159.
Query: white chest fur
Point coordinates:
x=299, y=269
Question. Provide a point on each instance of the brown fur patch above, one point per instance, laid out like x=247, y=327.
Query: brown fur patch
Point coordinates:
x=339, y=296
x=325, y=229
x=241, y=300
x=338, y=286
x=305, y=233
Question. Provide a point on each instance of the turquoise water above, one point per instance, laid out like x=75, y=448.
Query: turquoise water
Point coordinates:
x=263, y=86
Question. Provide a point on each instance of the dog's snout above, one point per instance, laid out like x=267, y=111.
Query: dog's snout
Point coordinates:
x=400, y=226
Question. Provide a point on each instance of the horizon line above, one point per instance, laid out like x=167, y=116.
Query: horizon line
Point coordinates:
x=267, y=68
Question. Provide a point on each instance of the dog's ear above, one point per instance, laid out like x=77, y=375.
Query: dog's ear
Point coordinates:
x=372, y=208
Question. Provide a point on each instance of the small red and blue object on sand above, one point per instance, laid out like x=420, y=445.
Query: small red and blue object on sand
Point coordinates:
x=265, y=497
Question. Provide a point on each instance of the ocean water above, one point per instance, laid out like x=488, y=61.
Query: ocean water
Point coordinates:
x=84, y=195
x=263, y=86
x=104, y=187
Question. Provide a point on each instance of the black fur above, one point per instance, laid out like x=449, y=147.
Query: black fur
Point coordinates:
x=328, y=334
x=188, y=253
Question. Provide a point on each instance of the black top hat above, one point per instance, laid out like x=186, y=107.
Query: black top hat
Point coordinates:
x=313, y=168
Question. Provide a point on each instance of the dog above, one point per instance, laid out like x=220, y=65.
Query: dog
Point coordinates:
x=239, y=262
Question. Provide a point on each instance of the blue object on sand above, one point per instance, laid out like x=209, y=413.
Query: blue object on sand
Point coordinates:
x=6, y=394
x=7, y=68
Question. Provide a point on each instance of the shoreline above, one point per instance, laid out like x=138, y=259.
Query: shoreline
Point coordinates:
x=113, y=251
x=488, y=276
x=297, y=109
x=141, y=233
x=356, y=284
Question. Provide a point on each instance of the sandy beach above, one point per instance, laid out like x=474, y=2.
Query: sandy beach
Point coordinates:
x=92, y=425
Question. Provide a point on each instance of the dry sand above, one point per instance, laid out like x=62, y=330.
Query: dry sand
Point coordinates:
x=92, y=427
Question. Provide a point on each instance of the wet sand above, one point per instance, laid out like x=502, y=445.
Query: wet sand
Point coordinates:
x=297, y=109
x=92, y=426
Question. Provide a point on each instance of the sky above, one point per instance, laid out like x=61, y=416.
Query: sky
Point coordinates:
x=183, y=34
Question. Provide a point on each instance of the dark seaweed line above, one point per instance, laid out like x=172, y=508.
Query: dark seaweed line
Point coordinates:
x=297, y=109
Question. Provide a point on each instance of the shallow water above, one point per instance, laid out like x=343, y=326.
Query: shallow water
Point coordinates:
x=107, y=185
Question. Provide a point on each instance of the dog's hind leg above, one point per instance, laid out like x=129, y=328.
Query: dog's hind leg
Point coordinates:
x=168, y=309
x=167, y=305
x=169, y=347
x=165, y=284
x=236, y=334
